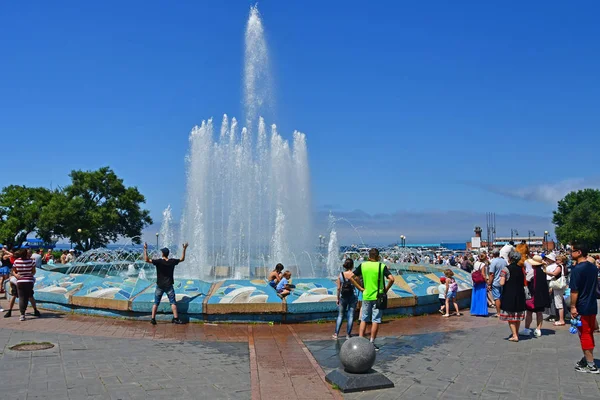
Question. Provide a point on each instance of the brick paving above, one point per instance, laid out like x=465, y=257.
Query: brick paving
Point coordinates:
x=426, y=357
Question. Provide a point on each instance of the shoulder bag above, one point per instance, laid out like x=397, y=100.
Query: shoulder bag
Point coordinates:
x=530, y=302
x=559, y=283
x=382, y=298
x=477, y=277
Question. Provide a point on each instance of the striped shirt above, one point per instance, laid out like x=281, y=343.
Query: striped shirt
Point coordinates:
x=24, y=268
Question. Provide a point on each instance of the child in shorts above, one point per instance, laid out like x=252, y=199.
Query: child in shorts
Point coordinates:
x=442, y=294
x=451, y=291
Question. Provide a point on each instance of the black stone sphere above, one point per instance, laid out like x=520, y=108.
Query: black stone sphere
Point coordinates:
x=357, y=355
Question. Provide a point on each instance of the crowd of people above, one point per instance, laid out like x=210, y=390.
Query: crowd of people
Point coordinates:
x=516, y=283
x=538, y=284
x=19, y=268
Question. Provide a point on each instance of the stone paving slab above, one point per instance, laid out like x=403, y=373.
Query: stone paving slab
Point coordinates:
x=478, y=363
x=81, y=367
x=426, y=357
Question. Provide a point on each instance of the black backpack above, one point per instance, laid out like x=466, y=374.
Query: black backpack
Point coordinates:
x=347, y=289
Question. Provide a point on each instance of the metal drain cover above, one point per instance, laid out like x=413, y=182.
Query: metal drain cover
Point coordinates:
x=32, y=346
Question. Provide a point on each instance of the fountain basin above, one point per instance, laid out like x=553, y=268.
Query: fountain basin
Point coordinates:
x=236, y=300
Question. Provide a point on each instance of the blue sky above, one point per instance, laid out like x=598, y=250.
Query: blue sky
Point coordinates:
x=441, y=108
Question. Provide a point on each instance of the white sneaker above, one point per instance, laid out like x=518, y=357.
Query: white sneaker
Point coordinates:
x=537, y=333
x=525, y=332
x=1, y=309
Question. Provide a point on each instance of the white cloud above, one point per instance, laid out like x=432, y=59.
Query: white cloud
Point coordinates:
x=549, y=193
x=424, y=226
x=358, y=226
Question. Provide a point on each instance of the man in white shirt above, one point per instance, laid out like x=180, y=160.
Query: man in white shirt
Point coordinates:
x=506, y=249
x=70, y=256
x=37, y=257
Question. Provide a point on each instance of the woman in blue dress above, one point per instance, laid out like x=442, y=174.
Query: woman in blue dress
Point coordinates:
x=479, y=305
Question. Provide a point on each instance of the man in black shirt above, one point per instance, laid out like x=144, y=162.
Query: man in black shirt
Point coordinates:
x=164, y=280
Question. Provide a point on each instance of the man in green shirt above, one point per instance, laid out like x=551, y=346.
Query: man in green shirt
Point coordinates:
x=370, y=271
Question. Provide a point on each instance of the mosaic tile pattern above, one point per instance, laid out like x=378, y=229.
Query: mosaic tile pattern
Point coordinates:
x=414, y=291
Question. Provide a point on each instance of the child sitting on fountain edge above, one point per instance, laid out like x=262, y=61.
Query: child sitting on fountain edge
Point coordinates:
x=284, y=288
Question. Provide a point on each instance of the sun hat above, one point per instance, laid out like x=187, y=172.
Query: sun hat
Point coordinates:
x=551, y=256
x=536, y=260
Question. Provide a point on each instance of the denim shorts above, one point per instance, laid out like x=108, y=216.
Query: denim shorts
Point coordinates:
x=451, y=295
x=158, y=294
x=496, y=292
x=370, y=312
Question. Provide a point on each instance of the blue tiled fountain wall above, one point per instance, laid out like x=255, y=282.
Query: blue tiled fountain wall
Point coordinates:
x=414, y=292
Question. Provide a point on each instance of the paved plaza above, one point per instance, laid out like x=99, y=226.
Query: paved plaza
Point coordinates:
x=426, y=357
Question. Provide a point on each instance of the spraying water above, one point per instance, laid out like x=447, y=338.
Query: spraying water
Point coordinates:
x=333, y=249
x=333, y=254
x=257, y=75
x=166, y=230
x=248, y=194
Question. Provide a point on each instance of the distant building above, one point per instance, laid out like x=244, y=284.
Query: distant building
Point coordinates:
x=535, y=243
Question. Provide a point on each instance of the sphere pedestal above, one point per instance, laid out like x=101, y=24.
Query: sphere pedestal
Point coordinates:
x=357, y=355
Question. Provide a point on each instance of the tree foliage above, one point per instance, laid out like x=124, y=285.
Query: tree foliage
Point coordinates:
x=20, y=210
x=94, y=210
x=577, y=218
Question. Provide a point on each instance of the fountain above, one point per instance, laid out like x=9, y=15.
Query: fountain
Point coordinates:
x=247, y=207
x=166, y=231
x=333, y=250
x=248, y=190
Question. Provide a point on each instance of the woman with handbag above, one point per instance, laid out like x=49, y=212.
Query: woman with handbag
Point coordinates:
x=479, y=305
x=557, y=283
x=540, y=296
x=346, y=298
x=512, y=299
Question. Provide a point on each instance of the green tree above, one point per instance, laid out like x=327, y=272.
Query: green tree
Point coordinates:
x=20, y=210
x=94, y=210
x=577, y=218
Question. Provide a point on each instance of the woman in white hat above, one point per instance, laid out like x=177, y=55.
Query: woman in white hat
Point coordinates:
x=538, y=287
x=554, y=271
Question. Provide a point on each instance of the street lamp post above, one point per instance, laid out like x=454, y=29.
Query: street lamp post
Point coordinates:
x=513, y=232
x=530, y=233
x=157, y=235
x=403, y=240
x=321, y=243
x=546, y=240
x=79, y=236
